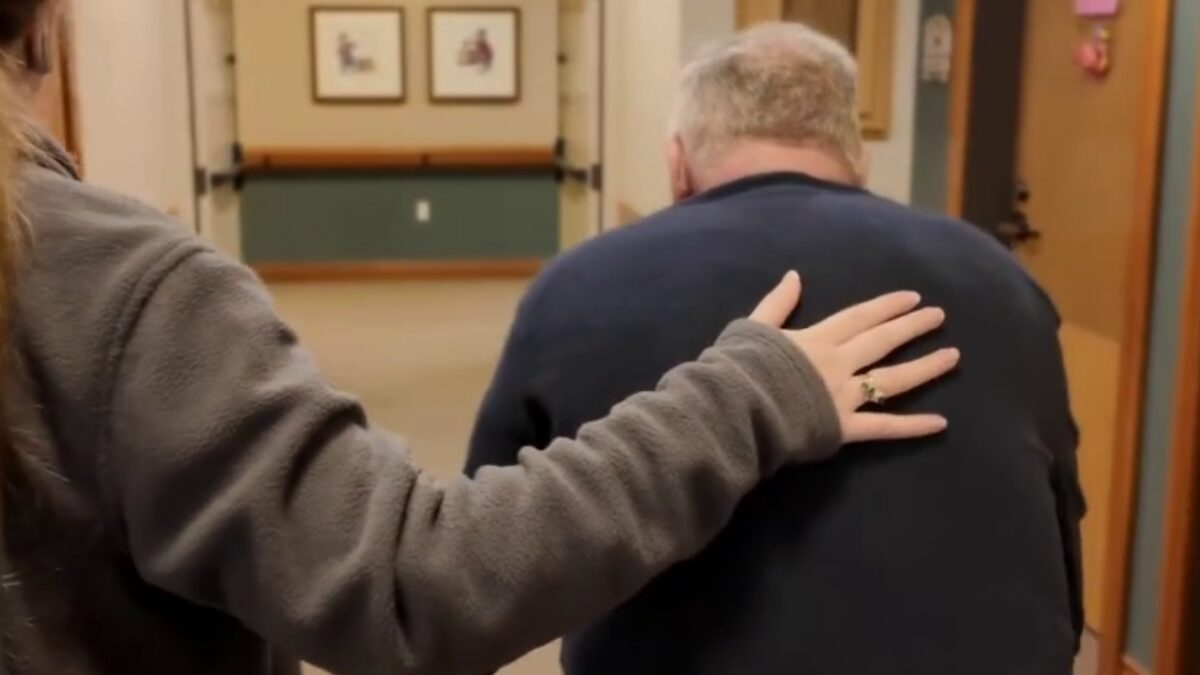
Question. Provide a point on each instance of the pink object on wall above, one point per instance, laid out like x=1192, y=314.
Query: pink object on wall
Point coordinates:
x=1097, y=7
x=1094, y=55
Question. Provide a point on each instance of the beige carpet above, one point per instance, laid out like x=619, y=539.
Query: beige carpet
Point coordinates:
x=420, y=355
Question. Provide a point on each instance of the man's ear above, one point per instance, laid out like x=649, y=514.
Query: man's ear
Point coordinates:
x=677, y=165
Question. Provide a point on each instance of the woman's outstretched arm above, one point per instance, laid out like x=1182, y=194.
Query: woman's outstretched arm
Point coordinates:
x=247, y=484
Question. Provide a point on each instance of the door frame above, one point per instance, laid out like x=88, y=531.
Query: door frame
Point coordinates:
x=63, y=72
x=1139, y=281
x=1181, y=547
x=589, y=175
x=66, y=65
x=1137, y=302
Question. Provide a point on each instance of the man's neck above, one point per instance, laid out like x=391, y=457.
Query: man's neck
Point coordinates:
x=753, y=158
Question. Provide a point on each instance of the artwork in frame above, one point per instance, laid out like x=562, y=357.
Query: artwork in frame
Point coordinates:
x=474, y=54
x=358, y=54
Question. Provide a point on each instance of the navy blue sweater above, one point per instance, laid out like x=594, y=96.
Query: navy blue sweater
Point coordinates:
x=952, y=555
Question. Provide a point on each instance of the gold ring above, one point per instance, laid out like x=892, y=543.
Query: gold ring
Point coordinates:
x=871, y=390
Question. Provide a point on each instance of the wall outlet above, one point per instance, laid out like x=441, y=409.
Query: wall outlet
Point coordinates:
x=424, y=211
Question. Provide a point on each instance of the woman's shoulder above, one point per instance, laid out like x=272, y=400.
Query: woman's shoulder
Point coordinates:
x=55, y=206
x=91, y=260
x=84, y=240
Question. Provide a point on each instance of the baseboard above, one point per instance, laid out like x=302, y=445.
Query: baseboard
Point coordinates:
x=399, y=270
x=1131, y=667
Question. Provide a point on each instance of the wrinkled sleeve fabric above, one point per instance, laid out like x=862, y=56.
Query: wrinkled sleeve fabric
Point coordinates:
x=245, y=483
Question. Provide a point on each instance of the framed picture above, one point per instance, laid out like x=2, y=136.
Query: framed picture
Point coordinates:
x=474, y=54
x=358, y=54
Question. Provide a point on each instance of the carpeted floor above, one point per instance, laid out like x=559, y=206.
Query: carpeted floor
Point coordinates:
x=420, y=355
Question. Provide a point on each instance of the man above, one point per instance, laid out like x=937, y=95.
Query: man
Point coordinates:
x=954, y=555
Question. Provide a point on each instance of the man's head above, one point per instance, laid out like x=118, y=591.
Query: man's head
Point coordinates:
x=776, y=97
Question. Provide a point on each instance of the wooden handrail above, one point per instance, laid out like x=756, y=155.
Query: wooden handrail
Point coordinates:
x=267, y=160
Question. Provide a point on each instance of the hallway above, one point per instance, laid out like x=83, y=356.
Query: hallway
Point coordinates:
x=267, y=145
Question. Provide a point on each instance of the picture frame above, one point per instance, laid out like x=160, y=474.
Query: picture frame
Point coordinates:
x=474, y=55
x=358, y=54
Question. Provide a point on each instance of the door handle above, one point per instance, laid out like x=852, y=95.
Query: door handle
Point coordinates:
x=235, y=177
x=564, y=172
x=1017, y=229
x=592, y=176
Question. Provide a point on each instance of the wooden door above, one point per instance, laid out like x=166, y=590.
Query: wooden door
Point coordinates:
x=1078, y=153
x=54, y=108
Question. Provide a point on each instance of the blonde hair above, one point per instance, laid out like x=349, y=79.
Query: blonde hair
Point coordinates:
x=782, y=82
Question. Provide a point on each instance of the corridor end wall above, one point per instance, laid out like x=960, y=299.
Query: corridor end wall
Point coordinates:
x=336, y=209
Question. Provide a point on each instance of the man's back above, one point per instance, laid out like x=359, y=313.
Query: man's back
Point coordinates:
x=946, y=556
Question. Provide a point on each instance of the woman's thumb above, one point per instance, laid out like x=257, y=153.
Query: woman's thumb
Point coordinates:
x=780, y=302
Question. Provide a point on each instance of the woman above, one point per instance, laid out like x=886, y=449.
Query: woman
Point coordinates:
x=183, y=492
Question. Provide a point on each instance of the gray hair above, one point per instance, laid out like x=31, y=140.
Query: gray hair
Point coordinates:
x=782, y=82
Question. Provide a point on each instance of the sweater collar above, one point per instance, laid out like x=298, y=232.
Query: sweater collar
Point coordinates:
x=771, y=179
x=47, y=153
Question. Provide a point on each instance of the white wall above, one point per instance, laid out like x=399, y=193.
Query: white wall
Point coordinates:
x=705, y=21
x=131, y=84
x=642, y=55
x=647, y=44
x=891, y=159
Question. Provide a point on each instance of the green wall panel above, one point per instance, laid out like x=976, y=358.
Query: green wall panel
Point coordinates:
x=337, y=217
x=1142, y=619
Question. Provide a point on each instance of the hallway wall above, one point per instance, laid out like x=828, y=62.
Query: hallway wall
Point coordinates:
x=276, y=108
x=643, y=55
x=131, y=80
x=891, y=172
x=335, y=213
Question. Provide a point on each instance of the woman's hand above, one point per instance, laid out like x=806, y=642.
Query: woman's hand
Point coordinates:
x=843, y=346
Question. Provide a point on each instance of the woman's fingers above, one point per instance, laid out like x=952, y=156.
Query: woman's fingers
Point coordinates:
x=850, y=323
x=894, y=381
x=883, y=427
x=903, y=378
x=848, y=342
x=780, y=302
x=876, y=343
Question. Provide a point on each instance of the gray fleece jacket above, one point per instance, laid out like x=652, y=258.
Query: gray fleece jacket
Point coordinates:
x=184, y=493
